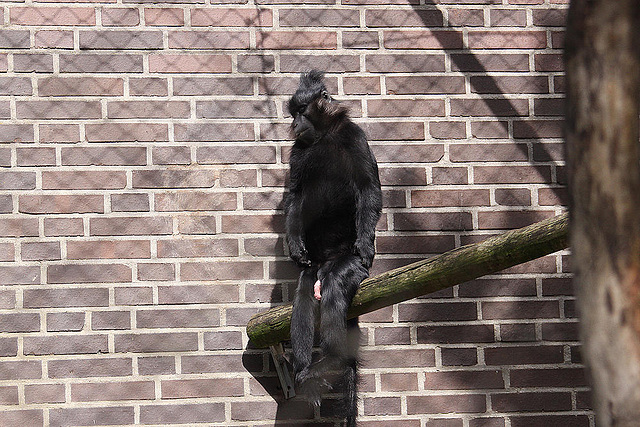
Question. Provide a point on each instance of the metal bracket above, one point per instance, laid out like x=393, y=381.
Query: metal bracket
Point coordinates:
x=277, y=352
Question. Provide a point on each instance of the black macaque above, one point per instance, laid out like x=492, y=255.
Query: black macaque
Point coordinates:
x=332, y=208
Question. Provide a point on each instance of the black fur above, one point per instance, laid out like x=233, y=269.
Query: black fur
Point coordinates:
x=332, y=208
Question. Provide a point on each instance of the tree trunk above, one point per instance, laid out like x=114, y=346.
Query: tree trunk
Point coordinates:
x=439, y=272
x=603, y=83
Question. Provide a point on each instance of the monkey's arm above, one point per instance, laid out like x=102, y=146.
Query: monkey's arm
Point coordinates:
x=294, y=228
x=368, y=208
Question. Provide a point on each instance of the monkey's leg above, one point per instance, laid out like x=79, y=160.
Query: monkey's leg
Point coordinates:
x=303, y=322
x=350, y=376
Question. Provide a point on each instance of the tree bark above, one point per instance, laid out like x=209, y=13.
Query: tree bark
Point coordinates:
x=431, y=275
x=603, y=86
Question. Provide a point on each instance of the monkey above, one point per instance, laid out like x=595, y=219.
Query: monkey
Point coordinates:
x=333, y=204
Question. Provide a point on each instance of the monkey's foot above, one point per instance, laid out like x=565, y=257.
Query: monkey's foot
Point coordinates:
x=312, y=387
x=316, y=290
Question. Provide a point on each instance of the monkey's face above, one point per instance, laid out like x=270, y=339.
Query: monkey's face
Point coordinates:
x=307, y=112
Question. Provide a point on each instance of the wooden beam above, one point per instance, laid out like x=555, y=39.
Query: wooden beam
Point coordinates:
x=433, y=274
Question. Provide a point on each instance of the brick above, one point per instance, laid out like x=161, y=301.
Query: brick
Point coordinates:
x=523, y=355
x=33, y=63
x=550, y=17
x=120, y=17
x=19, y=322
x=200, y=224
x=382, y=406
x=507, y=39
x=411, y=85
x=232, y=178
x=246, y=270
x=255, y=223
x=156, y=365
x=31, y=156
x=15, y=86
x=183, y=413
x=219, y=132
x=65, y=344
x=16, y=133
x=199, y=388
x=156, y=272
x=52, y=16
x=130, y=226
x=14, y=39
x=443, y=404
x=360, y=40
x=288, y=40
x=560, y=332
x=489, y=62
x=549, y=107
x=195, y=201
x=55, y=227
x=8, y=347
x=131, y=202
x=194, y=248
x=441, y=198
x=399, y=382
x=209, y=39
x=26, y=417
x=422, y=39
x=83, y=180
x=256, y=63
x=133, y=296
x=89, y=368
x=96, y=392
x=61, y=204
x=140, y=132
x=520, y=310
x=44, y=393
x=89, y=273
x=171, y=156
x=189, y=63
x=100, y=63
x=361, y=85
x=466, y=18
x=208, y=86
x=113, y=249
x=242, y=154
x=40, y=251
x=53, y=39
x=117, y=39
x=437, y=312
x=489, y=107
x=513, y=197
x=79, y=86
x=508, y=18
x=459, y=356
x=148, y=86
x=173, y=179
x=167, y=17
x=463, y=380
x=510, y=219
x=117, y=415
x=538, y=129
x=7, y=252
x=59, y=133
x=551, y=420
x=235, y=109
x=432, y=221
x=403, y=18
x=18, y=227
x=392, y=336
x=182, y=318
x=104, y=156
x=151, y=343
x=17, y=180
x=509, y=84
x=454, y=334
x=58, y=110
x=511, y=174
x=223, y=340
x=19, y=275
x=309, y=17
x=233, y=17
x=405, y=108
x=148, y=109
x=20, y=370
x=67, y=322
x=195, y=294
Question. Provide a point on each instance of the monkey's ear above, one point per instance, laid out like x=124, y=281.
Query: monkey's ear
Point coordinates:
x=325, y=95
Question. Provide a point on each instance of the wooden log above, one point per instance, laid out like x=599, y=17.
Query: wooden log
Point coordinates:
x=433, y=274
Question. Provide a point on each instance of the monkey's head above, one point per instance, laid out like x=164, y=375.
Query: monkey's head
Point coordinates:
x=313, y=110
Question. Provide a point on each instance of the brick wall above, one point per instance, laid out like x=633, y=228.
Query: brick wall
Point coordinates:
x=143, y=159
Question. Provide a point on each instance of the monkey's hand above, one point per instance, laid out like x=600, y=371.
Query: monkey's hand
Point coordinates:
x=365, y=251
x=299, y=254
